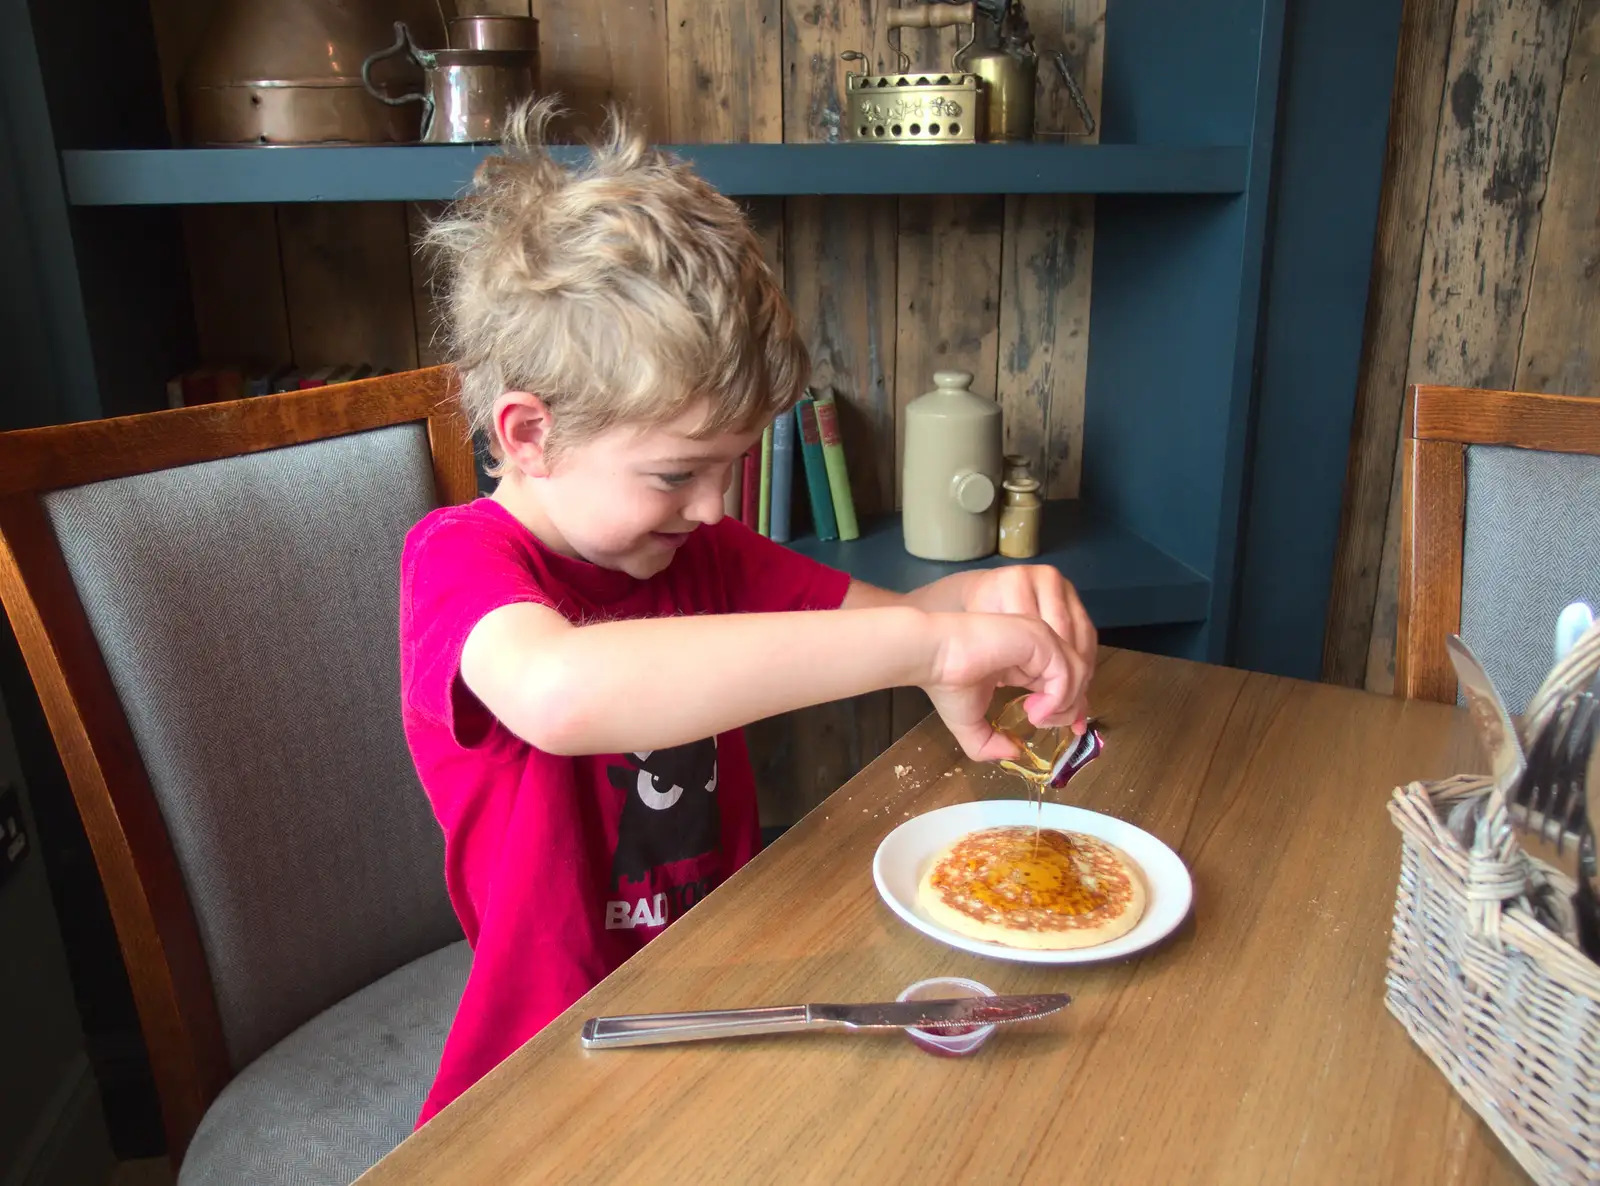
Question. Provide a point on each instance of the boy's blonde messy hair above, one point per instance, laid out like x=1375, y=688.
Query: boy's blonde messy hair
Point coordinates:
x=621, y=292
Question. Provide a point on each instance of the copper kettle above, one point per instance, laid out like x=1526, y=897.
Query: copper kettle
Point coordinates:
x=289, y=72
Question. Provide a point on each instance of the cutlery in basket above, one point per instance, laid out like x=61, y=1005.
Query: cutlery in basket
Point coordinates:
x=1548, y=804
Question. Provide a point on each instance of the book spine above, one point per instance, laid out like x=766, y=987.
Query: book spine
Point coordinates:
x=816, y=471
x=844, y=506
x=751, y=484
x=782, y=476
x=733, y=496
x=230, y=384
x=764, y=491
x=199, y=387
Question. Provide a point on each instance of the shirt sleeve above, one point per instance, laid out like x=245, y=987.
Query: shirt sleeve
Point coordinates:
x=454, y=571
x=766, y=577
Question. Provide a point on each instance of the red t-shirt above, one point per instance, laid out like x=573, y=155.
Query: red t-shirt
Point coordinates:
x=561, y=867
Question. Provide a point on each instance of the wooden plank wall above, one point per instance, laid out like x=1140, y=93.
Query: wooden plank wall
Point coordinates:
x=889, y=289
x=1487, y=267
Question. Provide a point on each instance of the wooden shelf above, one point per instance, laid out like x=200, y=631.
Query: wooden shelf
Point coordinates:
x=379, y=173
x=1123, y=580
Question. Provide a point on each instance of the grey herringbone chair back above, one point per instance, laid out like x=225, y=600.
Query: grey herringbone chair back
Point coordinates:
x=1501, y=497
x=1531, y=546
x=247, y=612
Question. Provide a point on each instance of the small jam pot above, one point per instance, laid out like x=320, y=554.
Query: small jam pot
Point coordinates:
x=953, y=1042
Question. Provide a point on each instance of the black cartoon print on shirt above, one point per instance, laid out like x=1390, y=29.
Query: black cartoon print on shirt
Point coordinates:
x=670, y=811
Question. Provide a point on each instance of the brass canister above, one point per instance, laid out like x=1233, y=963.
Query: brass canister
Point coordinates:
x=1009, y=83
x=1019, y=519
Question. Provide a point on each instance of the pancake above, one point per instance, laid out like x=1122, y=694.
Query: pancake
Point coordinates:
x=1036, y=888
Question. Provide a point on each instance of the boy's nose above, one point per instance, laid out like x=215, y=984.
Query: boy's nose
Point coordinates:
x=706, y=505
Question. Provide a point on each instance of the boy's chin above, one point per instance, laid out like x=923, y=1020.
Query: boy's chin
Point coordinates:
x=643, y=564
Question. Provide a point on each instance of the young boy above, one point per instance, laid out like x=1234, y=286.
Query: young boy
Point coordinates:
x=580, y=651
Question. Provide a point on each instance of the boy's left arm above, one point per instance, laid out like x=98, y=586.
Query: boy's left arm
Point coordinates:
x=1034, y=590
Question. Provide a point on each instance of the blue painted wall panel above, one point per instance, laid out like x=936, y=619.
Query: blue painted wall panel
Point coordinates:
x=1180, y=71
x=48, y=347
x=1166, y=297
x=1339, y=61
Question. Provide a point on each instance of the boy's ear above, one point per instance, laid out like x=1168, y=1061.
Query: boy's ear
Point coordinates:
x=523, y=423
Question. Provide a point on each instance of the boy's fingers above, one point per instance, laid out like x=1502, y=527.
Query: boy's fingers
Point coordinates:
x=1056, y=613
x=980, y=742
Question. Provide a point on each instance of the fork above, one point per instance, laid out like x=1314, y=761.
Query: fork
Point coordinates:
x=1548, y=802
x=1548, y=806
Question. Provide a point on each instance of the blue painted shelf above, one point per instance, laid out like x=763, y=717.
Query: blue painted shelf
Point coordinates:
x=1124, y=580
x=409, y=173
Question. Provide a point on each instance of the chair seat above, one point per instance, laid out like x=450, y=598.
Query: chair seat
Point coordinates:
x=327, y=1102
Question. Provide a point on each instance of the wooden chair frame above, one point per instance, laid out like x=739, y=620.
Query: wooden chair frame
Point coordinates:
x=154, y=919
x=1439, y=424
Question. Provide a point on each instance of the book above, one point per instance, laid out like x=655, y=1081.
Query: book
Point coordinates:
x=844, y=506
x=199, y=387
x=764, y=486
x=782, y=476
x=733, y=496
x=751, y=484
x=816, y=468
x=229, y=383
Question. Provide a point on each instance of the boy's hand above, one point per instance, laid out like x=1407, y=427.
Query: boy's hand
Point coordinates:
x=979, y=652
x=1037, y=590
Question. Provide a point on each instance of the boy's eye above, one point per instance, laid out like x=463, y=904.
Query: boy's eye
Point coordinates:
x=675, y=479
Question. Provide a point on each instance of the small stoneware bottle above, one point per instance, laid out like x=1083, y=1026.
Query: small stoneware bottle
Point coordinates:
x=1019, y=519
x=950, y=479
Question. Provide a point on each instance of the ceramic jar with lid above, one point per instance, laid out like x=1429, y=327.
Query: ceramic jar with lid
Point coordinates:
x=950, y=478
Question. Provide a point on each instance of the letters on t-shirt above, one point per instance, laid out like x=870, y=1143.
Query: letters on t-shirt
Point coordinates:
x=670, y=813
x=657, y=910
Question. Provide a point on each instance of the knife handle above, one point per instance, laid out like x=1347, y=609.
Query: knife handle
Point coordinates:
x=649, y=1029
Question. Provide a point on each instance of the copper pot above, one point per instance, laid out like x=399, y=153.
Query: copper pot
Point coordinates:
x=289, y=72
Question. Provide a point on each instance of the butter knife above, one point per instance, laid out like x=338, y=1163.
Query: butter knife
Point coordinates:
x=648, y=1029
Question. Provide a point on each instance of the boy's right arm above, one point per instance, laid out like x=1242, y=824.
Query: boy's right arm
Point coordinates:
x=652, y=683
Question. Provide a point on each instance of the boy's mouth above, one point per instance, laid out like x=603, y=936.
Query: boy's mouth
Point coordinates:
x=672, y=539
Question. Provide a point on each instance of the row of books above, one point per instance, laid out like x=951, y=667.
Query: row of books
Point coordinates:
x=209, y=385
x=763, y=490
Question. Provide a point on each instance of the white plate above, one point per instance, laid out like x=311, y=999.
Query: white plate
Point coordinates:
x=905, y=852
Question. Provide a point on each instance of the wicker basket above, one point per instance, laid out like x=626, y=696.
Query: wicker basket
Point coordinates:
x=1505, y=1005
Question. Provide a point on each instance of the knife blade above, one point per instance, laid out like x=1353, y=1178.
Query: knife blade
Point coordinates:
x=935, y=1013
x=648, y=1029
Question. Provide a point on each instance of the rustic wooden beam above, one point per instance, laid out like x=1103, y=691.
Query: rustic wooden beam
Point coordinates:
x=1396, y=257
x=1490, y=168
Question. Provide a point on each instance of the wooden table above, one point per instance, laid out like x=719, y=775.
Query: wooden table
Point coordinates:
x=1252, y=1046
